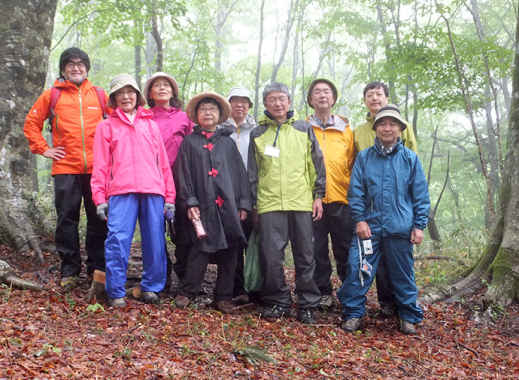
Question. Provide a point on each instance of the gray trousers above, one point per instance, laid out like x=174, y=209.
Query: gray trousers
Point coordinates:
x=276, y=229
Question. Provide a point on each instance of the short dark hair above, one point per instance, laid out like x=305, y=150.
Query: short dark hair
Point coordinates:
x=207, y=100
x=376, y=84
x=70, y=54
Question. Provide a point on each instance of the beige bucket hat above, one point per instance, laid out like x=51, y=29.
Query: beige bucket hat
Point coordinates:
x=225, y=107
x=160, y=74
x=389, y=111
x=120, y=81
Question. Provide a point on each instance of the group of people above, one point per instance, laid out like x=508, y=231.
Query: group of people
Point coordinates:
x=215, y=175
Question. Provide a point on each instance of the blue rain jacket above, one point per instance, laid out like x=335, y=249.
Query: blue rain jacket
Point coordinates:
x=389, y=192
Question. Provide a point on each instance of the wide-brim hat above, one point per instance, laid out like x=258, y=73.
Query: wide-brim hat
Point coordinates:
x=225, y=107
x=166, y=76
x=389, y=111
x=321, y=80
x=120, y=81
x=241, y=92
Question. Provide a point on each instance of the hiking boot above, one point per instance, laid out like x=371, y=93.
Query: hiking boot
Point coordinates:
x=407, y=327
x=69, y=282
x=242, y=299
x=182, y=301
x=274, y=312
x=117, y=302
x=225, y=307
x=387, y=310
x=150, y=297
x=351, y=325
x=306, y=316
x=326, y=301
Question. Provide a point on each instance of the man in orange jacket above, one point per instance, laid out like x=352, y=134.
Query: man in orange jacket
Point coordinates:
x=336, y=141
x=77, y=109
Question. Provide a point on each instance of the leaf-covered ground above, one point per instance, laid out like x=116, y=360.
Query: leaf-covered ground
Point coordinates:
x=58, y=335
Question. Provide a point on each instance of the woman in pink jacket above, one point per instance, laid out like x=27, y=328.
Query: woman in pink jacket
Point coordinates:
x=132, y=179
x=161, y=93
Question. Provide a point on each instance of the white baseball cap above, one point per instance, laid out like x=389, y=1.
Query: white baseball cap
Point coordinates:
x=241, y=92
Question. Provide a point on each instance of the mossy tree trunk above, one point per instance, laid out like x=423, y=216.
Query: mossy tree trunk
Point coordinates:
x=499, y=264
x=25, y=31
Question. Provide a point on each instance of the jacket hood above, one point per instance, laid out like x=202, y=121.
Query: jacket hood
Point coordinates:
x=221, y=129
x=142, y=113
x=63, y=84
x=169, y=111
x=335, y=122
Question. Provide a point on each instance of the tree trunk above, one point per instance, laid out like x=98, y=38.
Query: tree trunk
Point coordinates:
x=258, y=62
x=499, y=264
x=156, y=36
x=26, y=37
x=290, y=21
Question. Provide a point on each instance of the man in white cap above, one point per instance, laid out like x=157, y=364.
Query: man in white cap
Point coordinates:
x=242, y=124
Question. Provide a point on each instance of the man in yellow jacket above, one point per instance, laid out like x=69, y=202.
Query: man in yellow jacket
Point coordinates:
x=376, y=96
x=336, y=141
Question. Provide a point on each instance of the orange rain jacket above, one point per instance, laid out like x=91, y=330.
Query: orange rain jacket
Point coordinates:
x=77, y=114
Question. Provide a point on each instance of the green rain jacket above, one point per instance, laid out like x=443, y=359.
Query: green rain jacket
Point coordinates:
x=364, y=136
x=290, y=181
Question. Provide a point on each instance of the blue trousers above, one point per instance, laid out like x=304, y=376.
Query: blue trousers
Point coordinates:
x=398, y=254
x=123, y=211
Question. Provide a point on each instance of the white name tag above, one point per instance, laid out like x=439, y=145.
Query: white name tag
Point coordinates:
x=271, y=151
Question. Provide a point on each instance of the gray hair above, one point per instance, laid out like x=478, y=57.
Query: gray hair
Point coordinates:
x=275, y=87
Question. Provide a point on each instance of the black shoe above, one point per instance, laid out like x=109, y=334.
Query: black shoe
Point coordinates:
x=306, y=316
x=150, y=297
x=351, y=325
x=242, y=299
x=274, y=312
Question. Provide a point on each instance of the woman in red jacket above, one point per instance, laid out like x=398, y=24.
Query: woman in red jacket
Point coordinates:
x=132, y=178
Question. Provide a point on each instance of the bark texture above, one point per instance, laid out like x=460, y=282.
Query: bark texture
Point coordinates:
x=25, y=31
x=499, y=264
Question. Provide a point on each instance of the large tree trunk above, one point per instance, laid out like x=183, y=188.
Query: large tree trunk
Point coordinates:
x=25, y=33
x=499, y=264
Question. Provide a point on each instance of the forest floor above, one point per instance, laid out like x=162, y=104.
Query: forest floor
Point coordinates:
x=54, y=335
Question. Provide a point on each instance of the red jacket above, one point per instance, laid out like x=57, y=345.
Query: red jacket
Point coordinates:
x=129, y=157
x=77, y=114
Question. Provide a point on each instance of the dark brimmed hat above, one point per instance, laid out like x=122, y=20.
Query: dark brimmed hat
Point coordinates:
x=389, y=111
x=317, y=81
x=160, y=74
x=225, y=107
x=120, y=81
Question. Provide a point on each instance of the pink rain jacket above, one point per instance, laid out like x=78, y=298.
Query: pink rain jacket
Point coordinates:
x=130, y=158
x=174, y=125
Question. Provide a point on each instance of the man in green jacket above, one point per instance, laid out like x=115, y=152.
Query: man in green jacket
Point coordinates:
x=288, y=181
x=376, y=96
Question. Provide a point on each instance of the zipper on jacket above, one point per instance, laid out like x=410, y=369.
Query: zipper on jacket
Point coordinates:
x=82, y=122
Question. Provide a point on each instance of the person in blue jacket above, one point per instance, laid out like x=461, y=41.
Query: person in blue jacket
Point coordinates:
x=390, y=205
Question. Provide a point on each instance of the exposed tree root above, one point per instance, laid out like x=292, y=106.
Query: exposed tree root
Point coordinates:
x=453, y=292
x=8, y=277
